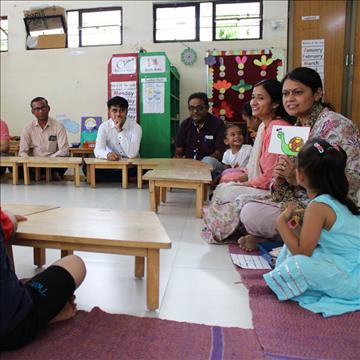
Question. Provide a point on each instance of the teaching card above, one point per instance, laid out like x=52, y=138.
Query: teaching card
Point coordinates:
x=250, y=261
x=288, y=140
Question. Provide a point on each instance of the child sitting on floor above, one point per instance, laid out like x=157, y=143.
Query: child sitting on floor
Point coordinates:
x=28, y=306
x=237, y=156
x=320, y=268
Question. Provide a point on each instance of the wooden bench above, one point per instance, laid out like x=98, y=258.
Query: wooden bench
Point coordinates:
x=136, y=233
x=49, y=163
x=184, y=175
x=92, y=164
x=14, y=162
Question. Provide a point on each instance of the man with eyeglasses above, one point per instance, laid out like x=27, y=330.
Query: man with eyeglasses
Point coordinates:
x=201, y=136
x=44, y=137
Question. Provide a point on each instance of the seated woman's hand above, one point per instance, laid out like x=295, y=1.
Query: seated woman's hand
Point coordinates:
x=285, y=169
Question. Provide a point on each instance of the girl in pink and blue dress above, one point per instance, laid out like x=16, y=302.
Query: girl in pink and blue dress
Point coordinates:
x=320, y=266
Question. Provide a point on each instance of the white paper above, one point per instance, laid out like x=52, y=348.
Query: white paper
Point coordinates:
x=153, y=97
x=126, y=89
x=123, y=65
x=152, y=64
x=313, y=55
x=288, y=140
x=250, y=261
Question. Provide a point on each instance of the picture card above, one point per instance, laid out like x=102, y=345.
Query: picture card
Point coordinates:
x=288, y=140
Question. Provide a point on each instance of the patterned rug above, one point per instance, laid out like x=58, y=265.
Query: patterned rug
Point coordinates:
x=99, y=335
x=287, y=331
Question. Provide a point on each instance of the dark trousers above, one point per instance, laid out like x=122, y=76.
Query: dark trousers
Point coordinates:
x=110, y=175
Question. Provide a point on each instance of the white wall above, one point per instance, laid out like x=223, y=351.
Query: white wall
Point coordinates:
x=75, y=80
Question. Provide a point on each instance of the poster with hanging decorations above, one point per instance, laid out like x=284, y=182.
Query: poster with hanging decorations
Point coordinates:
x=232, y=75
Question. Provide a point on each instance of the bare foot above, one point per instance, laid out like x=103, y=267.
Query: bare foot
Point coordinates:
x=67, y=312
x=248, y=243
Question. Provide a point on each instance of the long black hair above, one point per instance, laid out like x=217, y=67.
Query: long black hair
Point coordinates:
x=324, y=167
x=274, y=89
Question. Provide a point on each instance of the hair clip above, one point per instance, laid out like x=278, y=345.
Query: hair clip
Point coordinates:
x=336, y=147
x=319, y=148
x=294, y=222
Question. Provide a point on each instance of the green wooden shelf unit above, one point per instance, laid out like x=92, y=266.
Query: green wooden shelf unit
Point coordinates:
x=159, y=100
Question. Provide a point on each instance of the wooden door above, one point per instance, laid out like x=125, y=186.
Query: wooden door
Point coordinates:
x=355, y=61
x=318, y=19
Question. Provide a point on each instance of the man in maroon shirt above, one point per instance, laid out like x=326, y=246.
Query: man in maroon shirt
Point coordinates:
x=201, y=136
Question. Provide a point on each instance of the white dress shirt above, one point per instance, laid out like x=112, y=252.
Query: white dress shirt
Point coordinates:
x=125, y=143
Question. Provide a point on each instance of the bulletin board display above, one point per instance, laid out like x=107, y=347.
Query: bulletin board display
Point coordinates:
x=232, y=74
x=123, y=81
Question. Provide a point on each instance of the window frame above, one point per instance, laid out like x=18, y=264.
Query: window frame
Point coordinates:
x=196, y=5
x=91, y=10
x=197, y=19
x=222, y=2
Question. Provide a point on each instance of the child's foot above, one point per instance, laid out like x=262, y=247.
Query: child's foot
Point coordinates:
x=248, y=243
x=67, y=312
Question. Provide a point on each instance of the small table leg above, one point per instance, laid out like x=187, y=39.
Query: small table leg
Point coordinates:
x=15, y=174
x=163, y=191
x=26, y=174
x=153, y=200
x=152, y=281
x=139, y=266
x=124, y=181
x=88, y=174
x=66, y=253
x=199, y=199
x=39, y=257
x=47, y=174
x=37, y=174
x=77, y=175
x=92, y=176
x=139, y=176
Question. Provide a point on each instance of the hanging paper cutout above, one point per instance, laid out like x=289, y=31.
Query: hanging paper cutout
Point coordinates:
x=224, y=111
x=243, y=69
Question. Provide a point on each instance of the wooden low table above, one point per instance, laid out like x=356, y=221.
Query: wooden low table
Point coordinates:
x=81, y=151
x=92, y=164
x=183, y=177
x=164, y=163
x=14, y=162
x=28, y=210
x=136, y=233
x=49, y=163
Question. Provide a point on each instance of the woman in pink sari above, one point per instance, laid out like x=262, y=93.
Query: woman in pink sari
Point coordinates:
x=266, y=105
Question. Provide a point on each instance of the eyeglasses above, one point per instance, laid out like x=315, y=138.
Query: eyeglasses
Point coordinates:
x=43, y=108
x=197, y=108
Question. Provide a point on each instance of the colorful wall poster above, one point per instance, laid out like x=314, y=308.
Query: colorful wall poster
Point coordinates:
x=89, y=129
x=128, y=90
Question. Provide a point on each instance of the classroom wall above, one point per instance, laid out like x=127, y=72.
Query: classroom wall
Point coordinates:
x=75, y=80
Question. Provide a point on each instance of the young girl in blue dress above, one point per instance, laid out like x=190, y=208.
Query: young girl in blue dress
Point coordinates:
x=320, y=266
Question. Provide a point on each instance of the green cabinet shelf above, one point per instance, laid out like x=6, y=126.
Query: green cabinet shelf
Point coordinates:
x=159, y=105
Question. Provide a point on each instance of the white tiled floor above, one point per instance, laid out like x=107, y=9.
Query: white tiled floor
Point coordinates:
x=198, y=282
